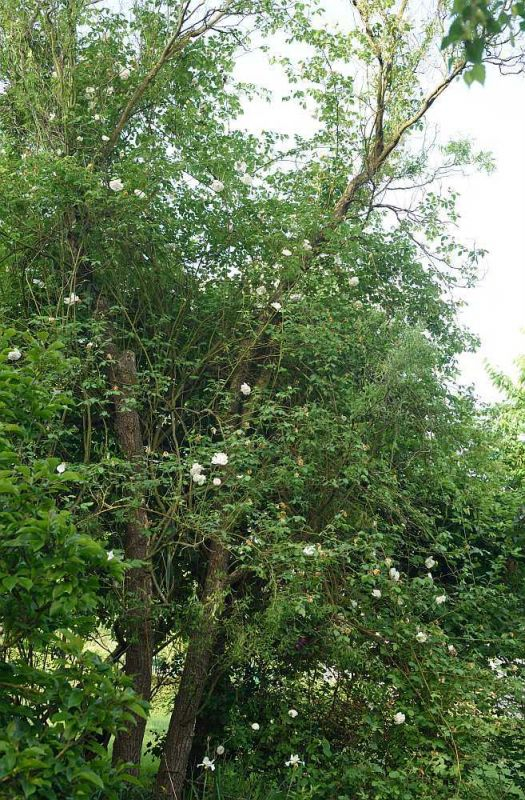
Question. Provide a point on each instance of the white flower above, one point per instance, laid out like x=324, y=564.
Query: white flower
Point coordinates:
x=261, y=291
x=429, y=562
x=421, y=636
x=207, y=763
x=97, y=117
x=71, y=299
x=241, y=166
x=124, y=73
x=293, y=713
x=293, y=761
x=52, y=116
x=309, y=550
x=139, y=193
x=199, y=480
x=111, y=555
x=39, y=283
x=246, y=389
x=330, y=676
x=110, y=90
x=394, y=574
x=116, y=184
x=255, y=726
x=521, y=437
x=430, y=577
x=14, y=355
x=247, y=180
x=353, y=282
x=376, y=593
x=307, y=245
x=197, y=474
x=296, y=298
x=105, y=138
x=61, y=467
x=388, y=562
x=276, y=306
x=217, y=186
x=286, y=252
x=219, y=459
x=90, y=91
x=220, y=750
x=399, y=718
x=452, y=650
x=80, y=138
x=441, y=599
x=217, y=481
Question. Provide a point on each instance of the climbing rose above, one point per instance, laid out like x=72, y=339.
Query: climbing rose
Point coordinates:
x=376, y=593
x=293, y=761
x=220, y=459
x=394, y=574
x=246, y=389
x=220, y=750
x=255, y=726
x=207, y=763
x=61, y=468
x=217, y=186
x=429, y=562
x=421, y=636
x=116, y=184
x=293, y=713
x=399, y=718
x=276, y=305
x=14, y=355
x=353, y=282
x=309, y=550
x=441, y=599
x=71, y=299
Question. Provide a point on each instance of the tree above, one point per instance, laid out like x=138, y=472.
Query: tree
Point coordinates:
x=257, y=346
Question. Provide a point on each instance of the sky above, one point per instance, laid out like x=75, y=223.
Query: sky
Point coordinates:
x=492, y=207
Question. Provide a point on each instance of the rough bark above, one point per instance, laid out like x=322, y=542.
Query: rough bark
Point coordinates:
x=137, y=622
x=181, y=730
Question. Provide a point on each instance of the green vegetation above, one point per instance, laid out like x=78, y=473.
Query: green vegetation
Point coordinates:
x=257, y=542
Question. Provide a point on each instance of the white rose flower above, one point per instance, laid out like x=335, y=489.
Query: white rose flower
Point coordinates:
x=80, y=138
x=71, y=299
x=14, y=354
x=429, y=562
x=261, y=291
x=241, y=166
x=421, y=637
x=139, y=193
x=293, y=761
x=39, y=283
x=353, y=282
x=219, y=459
x=293, y=713
x=61, y=467
x=216, y=481
x=246, y=389
x=309, y=550
x=394, y=574
x=116, y=184
x=207, y=763
x=200, y=479
x=286, y=252
x=105, y=138
x=296, y=298
x=97, y=117
x=111, y=555
x=217, y=186
x=220, y=750
x=90, y=91
x=255, y=726
x=376, y=593
x=124, y=73
x=388, y=562
x=307, y=245
x=399, y=718
x=247, y=180
x=441, y=599
x=276, y=306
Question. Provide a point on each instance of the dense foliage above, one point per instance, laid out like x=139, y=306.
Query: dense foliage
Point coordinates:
x=288, y=527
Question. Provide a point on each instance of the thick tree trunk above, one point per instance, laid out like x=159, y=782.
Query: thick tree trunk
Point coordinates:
x=136, y=621
x=181, y=730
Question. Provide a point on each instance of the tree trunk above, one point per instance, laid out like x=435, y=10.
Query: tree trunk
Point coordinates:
x=136, y=621
x=181, y=730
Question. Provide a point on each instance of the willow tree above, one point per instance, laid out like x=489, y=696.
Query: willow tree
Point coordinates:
x=181, y=260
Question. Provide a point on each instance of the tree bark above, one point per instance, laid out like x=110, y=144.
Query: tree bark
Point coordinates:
x=181, y=730
x=136, y=622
